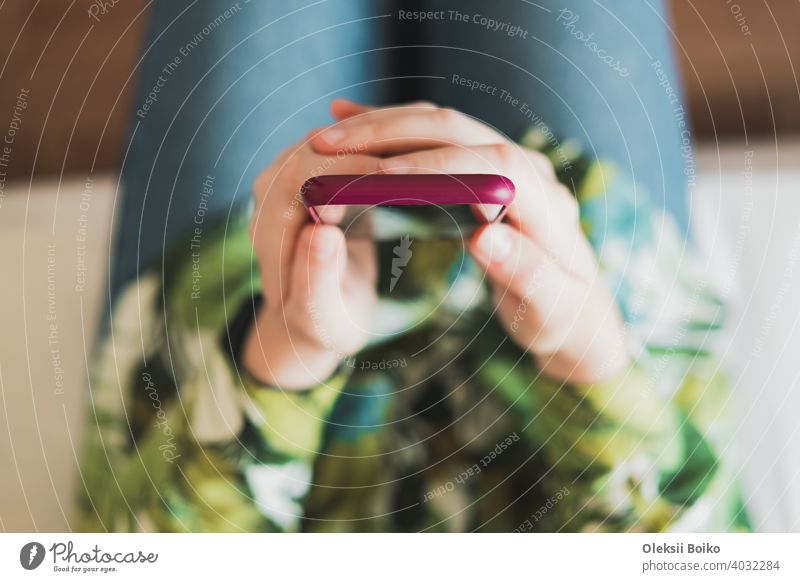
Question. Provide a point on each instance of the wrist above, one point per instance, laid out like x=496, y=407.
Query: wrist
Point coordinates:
x=275, y=355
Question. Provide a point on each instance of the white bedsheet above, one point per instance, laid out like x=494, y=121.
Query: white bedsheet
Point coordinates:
x=746, y=221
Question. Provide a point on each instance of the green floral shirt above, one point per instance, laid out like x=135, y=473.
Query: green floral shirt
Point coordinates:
x=445, y=425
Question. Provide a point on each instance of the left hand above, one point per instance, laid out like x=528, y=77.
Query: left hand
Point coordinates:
x=544, y=274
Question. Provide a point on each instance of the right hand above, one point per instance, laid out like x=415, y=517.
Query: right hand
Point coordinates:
x=319, y=288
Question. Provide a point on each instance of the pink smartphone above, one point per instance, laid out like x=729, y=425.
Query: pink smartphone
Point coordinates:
x=389, y=206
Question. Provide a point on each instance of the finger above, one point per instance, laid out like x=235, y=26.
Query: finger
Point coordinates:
x=318, y=268
x=513, y=262
x=531, y=201
x=546, y=309
x=543, y=209
x=333, y=214
x=333, y=287
x=401, y=129
x=344, y=108
x=281, y=213
x=529, y=289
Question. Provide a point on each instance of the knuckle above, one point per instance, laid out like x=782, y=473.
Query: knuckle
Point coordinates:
x=542, y=163
x=261, y=183
x=423, y=104
x=366, y=131
x=293, y=169
x=447, y=116
x=506, y=153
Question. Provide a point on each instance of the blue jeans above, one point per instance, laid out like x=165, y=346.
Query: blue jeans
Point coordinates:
x=225, y=85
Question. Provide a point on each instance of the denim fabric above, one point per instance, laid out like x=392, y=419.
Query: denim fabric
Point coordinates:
x=618, y=108
x=225, y=85
x=246, y=86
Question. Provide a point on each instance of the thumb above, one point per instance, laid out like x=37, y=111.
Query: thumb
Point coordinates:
x=319, y=266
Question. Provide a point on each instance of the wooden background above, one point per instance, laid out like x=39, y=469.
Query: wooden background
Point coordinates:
x=80, y=75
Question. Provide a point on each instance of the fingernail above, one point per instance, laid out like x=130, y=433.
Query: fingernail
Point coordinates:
x=396, y=166
x=494, y=244
x=323, y=245
x=333, y=135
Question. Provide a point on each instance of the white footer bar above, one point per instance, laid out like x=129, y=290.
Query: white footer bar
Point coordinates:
x=354, y=557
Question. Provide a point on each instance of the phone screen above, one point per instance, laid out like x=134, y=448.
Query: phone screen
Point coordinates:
x=391, y=222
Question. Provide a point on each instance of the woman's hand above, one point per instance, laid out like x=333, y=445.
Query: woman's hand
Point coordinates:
x=319, y=289
x=543, y=271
